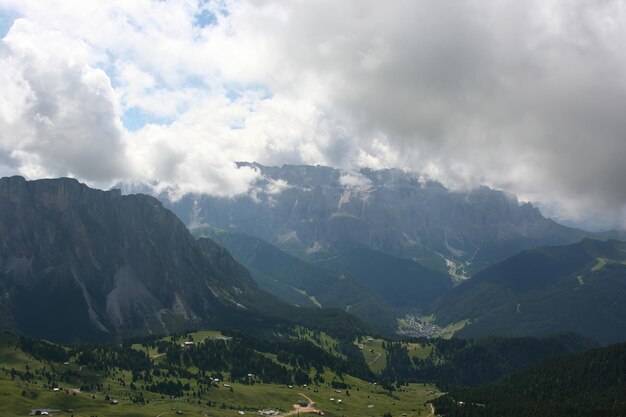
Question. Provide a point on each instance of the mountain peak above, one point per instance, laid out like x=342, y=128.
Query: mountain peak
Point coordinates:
x=82, y=263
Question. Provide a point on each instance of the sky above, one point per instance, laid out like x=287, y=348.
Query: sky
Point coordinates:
x=525, y=96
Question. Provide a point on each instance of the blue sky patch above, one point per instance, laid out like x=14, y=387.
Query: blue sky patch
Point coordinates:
x=6, y=21
x=135, y=119
x=205, y=18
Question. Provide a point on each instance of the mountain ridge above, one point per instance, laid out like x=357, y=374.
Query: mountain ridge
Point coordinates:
x=545, y=290
x=83, y=264
x=297, y=282
x=307, y=210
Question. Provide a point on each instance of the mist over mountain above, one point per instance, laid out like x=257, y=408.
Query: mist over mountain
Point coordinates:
x=306, y=210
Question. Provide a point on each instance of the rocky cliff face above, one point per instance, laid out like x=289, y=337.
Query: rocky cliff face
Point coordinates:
x=306, y=209
x=78, y=263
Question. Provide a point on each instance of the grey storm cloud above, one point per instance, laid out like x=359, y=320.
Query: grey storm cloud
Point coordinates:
x=527, y=96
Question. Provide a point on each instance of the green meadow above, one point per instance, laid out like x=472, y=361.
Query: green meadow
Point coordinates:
x=28, y=383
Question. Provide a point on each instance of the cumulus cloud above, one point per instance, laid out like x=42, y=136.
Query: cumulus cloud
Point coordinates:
x=57, y=112
x=525, y=96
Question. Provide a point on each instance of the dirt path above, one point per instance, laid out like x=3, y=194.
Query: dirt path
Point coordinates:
x=302, y=410
x=157, y=356
x=375, y=359
x=306, y=398
x=432, y=410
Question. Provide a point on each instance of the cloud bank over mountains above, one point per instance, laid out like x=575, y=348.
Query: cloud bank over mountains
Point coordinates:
x=525, y=96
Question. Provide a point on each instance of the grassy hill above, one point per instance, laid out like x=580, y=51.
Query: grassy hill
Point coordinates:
x=220, y=373
x=458, y=362
x=576, y=288
x=158, y=377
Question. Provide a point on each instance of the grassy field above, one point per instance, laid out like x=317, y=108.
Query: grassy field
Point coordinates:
x=417, y=350
x=355, y=401
x=374, y=353
x=19, y=394
x=409, y=400
x=448, y=331
x=599, y=264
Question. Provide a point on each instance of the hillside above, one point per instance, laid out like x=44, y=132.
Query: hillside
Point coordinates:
x=403, y=283
x=199, y=374
x=577, y=385
x=220, y=373
x=297, y=282
x=83, y=264
x=574, y=288
x=468, y=363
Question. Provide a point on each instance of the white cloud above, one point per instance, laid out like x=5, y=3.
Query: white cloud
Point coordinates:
x=525, y=96
x=354, y=180
x=58, y=116
x=276, y=186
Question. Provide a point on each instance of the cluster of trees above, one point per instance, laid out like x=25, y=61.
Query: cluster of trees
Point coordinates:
x=240, y=356
x=171, y=388
x=105, y=357
x=469, y=363
x=592, y=383
x=43, y=351
x=243, y=356
x=233, y=356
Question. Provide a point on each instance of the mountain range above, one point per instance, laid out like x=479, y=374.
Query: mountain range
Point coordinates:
x=83, y=264
x=310, y=210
